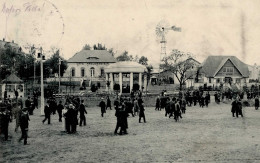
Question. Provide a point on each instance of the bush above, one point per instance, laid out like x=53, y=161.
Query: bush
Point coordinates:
x=116, y=87
x=136, y=87
x=93, y=88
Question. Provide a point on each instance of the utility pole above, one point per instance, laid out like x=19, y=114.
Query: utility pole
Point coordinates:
x=59, y=74
x=41, y=57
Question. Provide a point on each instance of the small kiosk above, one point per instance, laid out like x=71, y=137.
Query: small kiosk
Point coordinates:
x=11, y=84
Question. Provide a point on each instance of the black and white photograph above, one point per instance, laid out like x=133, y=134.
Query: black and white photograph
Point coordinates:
x=130, y=81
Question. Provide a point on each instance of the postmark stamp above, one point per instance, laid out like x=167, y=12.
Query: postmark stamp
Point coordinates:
x=37, y=22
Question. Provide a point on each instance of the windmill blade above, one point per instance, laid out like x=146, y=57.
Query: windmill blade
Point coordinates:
x=159, y=30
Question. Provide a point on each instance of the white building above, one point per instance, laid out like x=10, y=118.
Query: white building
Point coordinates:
x=88, y=65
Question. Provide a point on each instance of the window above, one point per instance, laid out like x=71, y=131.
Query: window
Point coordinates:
x=238, y=80
x=209, y=80
x=82, y=71
x=72, y=72
x=230, y=69
x=92, y=71
x=102, y=73
x=218, y=80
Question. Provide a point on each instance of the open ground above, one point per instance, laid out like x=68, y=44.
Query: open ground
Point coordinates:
x=203, y=135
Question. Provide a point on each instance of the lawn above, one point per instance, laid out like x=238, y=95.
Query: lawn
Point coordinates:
x=203, y=135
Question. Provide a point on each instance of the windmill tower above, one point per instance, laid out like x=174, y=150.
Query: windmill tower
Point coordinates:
x=161, y=30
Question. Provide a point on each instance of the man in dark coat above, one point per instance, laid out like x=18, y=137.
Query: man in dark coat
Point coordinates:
x=60, y=107
x=108, y=103
x=129, y=106
x=28, y=103
x=157, y=104
x=69, y=119
x=141, y=113
x=207, y=99
x=16, y=94
x=124, y=122
x=74, y=122
x=53, y=105
x=24, y=124
x=183, y=105
x=116, y=103
x=35, y=101
x=82, y=111
x=5, y=119
x=236, y=107
x=47, y=112
x=256, y=103
x=20, y=102
x=168, y=107
x=102, y=106
x=119, y=117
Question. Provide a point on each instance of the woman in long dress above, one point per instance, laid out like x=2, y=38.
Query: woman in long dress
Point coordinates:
x=64, y=111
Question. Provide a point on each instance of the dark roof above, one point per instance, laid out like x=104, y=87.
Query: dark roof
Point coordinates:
x=194, y=60
x=12, y=79
x=191, y=74
x=214, y=63
x=92, y=56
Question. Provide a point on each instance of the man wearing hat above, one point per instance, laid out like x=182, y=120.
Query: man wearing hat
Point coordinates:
x=102, y=105
x=24, y=124
x=4, y=119
x=47, y=112
x=70, y=119
x=256, y=103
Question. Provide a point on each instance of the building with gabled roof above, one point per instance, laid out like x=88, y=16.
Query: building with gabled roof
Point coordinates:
x=89, y=65
x=223, y=69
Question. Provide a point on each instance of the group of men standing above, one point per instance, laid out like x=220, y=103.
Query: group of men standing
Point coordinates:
x=8, y=110
x=69, y=111
x=126, y=106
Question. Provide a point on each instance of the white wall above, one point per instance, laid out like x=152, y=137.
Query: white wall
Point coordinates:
x=78, y=66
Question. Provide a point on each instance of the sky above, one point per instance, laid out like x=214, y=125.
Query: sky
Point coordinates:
x=209, y=27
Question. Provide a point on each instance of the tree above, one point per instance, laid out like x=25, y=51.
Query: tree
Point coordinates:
x=143, y=60
x=136, y=58
x=111, y=50
x=179, y=64
x=52, y=65
x=86, y=47
x=124, y=57
x=99, y=47
x=13, y=61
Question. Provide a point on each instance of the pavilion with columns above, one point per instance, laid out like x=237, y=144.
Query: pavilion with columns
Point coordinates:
x=126, y=74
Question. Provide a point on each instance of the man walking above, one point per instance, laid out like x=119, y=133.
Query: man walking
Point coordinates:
x=24, y=124
x=256, y=103
x=108, y=103
x=102, y=105
x=82, y=111
x=60, y=107
x=141, y=114
x=47, y=112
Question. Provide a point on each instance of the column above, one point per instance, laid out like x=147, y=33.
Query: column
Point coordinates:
x=111, y=81
x=145, y=82
x=106, y=81
x=140, y=81
x=131, y=81
x=120, y=82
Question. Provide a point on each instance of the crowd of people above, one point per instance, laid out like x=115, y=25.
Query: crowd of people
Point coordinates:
x=71, y=110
